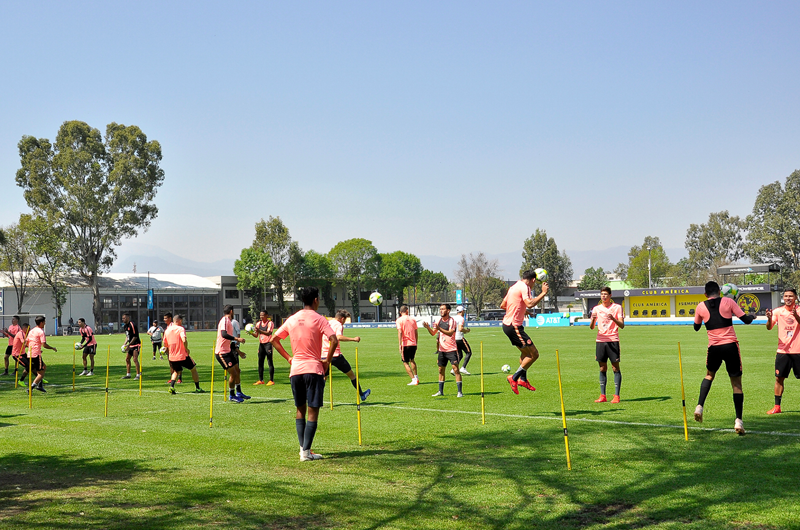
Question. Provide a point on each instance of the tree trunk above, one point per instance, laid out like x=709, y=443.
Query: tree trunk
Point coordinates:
x=96, y=304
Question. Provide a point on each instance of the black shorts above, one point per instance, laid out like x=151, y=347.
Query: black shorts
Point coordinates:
x=409, y=352
x=90, y=350
x=308, y=389
x=228, y=360
x=36, y=364
x=448, y=356
x=156, y=345
x=133, y=349
x=22, y=360
x=785, y=363
x=9, y=349
x=187, y=363
x=463, y=347
x=725, y=352
x=606, y=351
x=265, y=348
x=341, y=363
x=517, y=336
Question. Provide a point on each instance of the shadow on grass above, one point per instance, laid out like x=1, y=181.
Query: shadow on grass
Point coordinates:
x=653, y=398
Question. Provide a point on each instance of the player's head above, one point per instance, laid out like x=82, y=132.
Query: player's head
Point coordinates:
x=460, y=309
x=308, y=294
x=712, y=289
x=227, y=310
x=26, y=326
x=789, y=297
x=342, y=315
x=40, y=321
x=126, y=317
x=264, y=315
x=15, y=320
x=167, y=317
x=605, y=293
x=444, y=310
x=403, y=309
x=81, y=322
x=529, y=277
x=179, y=319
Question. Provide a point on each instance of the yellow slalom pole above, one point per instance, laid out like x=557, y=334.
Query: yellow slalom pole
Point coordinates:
x=73, y=368
x=30, y=380
x=141, y=370
x=211, y=406
x=16, y=368
x=358, y=400
x=330, y=383
x=108, y=361
x=483, y=402
x=224, y=385
x=563, y=413
x=683, y=396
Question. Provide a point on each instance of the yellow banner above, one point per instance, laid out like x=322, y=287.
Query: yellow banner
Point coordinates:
x=686, y=304
x=649, y=306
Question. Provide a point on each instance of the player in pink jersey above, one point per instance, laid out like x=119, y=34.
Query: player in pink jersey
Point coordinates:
x=88, y=344
x=337, y=325
x=227, y=356
x=446, y=327
x=18, y=348
x=407, y=336
x=609, y=319
x=788, y=357
x=717, y=315
x=517, y=302
x=36, y=341
x=178, y=354
x=305, y=330
x=263, y=330
x=10, y=333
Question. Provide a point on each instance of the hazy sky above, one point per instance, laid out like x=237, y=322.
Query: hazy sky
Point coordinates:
x=430, y=127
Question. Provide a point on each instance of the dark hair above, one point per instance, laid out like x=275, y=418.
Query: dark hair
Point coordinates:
x=793, y=291
x=712, y=288
x=39, y=319
x=606, y=289
x=126, y=314
x=26, y=324
x=308, y=295
x=15, y=317
x=168, y=314
x=228, y=308
x=528, y=275
x=404, y=309
x=342, y=313
x=82, y=320
x=446, y=305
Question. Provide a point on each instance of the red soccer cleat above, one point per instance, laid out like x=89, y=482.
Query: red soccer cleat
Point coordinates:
x=525, y=384
x=513, y=384
x=775, y=410
x=601, y=399
x=615, y=399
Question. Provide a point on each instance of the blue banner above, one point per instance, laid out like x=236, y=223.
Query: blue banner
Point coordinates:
x=458, y=296
x=150, y=299
x=548, y=320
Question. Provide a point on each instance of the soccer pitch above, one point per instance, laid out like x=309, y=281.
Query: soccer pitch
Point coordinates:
x=425, y=462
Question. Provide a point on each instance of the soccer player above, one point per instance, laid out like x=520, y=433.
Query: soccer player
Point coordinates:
x=167, y=323
x=788, y=356
x=133, y=345
x=88, y=344
x=517, y=302
x=305, y=330
x=264, y=328
x=609, y=319
x=716, y=313
x=445, y=326
x=10, y=333
x=464, y=351
x=407, y=336
x=36, y=341
x=337, y=325
x=18, y=348
x=156, y=337
x=178, y=354
x=227, y=355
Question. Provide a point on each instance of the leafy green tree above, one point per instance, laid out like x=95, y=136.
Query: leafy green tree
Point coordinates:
x=50, y=261
x=398, y=271
x=684, y=274
x=294, y=268
x=541, y=251
x=495, y=293
x=773, y=231
x=16, y=260
x=475, y=274
x=355, y=263
x=273, y=237
x=431, y=287
x=660, y=266
x=318, y=271
x=254, y=272
x=96, y=190
x=716, y=243
x=593, y=279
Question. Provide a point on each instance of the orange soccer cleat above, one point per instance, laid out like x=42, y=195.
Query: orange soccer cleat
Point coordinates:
x=775, y=410
x=513, y=384
x=615, y=399
x=601, y=399
x=525, y=384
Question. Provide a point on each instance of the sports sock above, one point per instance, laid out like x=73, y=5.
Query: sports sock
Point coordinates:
x=458, y=384
x=172, y=383
x=353, y=382
x=239, y=389
x=233, y=392
x=520, y=373
x=300, y=425
x=197, y=385
x=441, y=387
x=310, y=431
x=705, y=386
x=778, y=400
x=738, y=404
x=617, y=382
x=467, y=357
x=603, y=381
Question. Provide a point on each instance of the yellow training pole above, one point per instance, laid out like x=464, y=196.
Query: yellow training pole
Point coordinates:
x=225, y=386
x=683, y=396
x=30, y=380
x=563, y=413
x=16, y=367
x=73, y=368
x=330, y=383
x=211, y=406
x=483, y=403
x=141, y=370
x=108, y=361
x=358, y=400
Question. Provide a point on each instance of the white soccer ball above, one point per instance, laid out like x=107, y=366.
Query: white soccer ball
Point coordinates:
x=506, y=368
x=77, y=345
x=163, y=349
x=541, y=275
x=250, y=328
x=730, y=290
x=123, y=349
x=376, y=298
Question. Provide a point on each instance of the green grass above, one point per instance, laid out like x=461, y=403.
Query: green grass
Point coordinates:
x=424, y=463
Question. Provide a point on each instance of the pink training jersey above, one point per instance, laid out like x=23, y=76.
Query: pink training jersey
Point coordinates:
x=446, y=343
x=36, y=340
x=787, y=328
x=607, y=329
x=19, y=344
x=175, y=337
x=223, y=345
x=727, y=309
x=408, y=330
x=268, y=327
x=515, y=304
x=87, y=334
x=305, y=329
x=337, y=328
x=13, y=329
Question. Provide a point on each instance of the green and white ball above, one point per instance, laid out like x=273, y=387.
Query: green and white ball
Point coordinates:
x=163, y=349
x=376, y=298
x=250, y=328
x=77, y=345
x=123, y=348
x=506, y=368
x=541, y=274
x=730, y=290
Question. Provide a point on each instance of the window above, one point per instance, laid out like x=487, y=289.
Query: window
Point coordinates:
x=181, y=303
x=195, y=301
x=109, y=302
x=164, y=302
x=231, y=293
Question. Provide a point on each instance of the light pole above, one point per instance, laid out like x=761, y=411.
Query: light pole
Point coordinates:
x=649, y=277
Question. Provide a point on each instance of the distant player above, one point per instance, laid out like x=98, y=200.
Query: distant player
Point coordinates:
x=36, y=341
x=464, y=350
x=156, y=337
x=788, y=357
x=445, y=326
x=88, y=344
x=167, y=317
x=716, y=313
x=178, y=354
x=517, y=302
x=133, y=345
x=337, y=325
x=227, y=354
x=10, y=333
x=264, y=328
x=609, y=319
x=18, y=348
x=407, y=337
x=305, y=330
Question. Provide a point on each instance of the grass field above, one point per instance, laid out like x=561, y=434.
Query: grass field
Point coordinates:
x=425, y=462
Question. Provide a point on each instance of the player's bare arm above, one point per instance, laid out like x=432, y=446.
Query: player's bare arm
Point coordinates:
x=532, y=302
x=768, y=314
x=342, y=338
x=593, y=322
x=276, y=343
x=431, y=329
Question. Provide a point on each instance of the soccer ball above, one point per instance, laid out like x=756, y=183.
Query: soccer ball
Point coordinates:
x=163, y=349
x=376, y=298
x=123, y=349
x=730, y=290
x=77, y=345
x=541, y=274
x=506, y=368
x=250, y=328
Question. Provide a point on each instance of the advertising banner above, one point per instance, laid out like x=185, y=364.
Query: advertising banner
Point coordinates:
x=649, y=306
x=685, y=304
x=548, y=320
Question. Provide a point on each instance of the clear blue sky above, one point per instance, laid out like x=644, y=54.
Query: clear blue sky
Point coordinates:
x=430, y=127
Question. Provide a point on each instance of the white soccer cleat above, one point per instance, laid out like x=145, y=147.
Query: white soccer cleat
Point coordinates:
x=460, y=395
x=90, y=373
x=413, y=383
x=464, y=371
x=698, y=414
x=738, y=426
x=307, y=456
x=452, y=371
x=437, y=394
x=136, y=377
x=85, y=372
